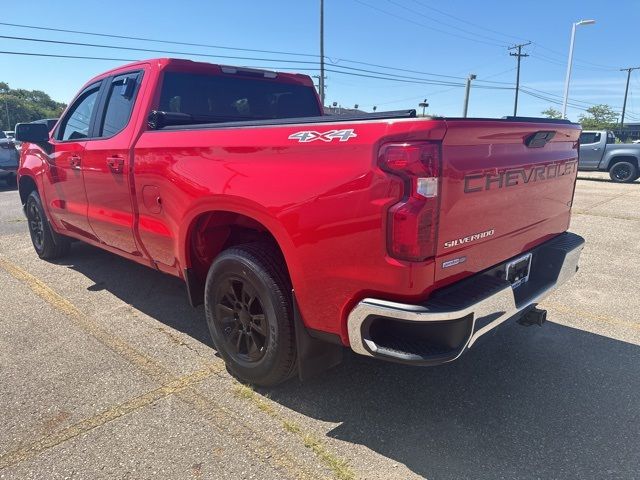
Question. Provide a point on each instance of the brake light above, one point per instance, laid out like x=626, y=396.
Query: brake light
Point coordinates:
x=413, y=221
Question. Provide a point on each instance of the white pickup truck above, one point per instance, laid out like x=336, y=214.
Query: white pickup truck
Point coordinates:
x=600, y=152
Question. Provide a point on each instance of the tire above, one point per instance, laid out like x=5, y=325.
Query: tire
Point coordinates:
x=624, y=172
x=48, y=244
x=248, y=305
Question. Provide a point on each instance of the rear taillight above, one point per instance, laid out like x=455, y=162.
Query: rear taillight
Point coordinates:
x=413, y=221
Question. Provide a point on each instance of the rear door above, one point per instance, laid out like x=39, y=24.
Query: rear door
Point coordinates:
x=592, y=145
x=503, y=191
x=107, y=165
x=64, y=187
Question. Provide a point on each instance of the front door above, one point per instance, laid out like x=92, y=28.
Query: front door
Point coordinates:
x=64, y=189
x=107, y=165
x=591, y=150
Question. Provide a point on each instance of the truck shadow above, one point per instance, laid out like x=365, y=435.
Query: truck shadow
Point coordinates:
x=160, y=296
x=550, y=402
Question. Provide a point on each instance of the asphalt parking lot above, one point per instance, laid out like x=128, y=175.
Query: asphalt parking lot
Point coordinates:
x=107, y=372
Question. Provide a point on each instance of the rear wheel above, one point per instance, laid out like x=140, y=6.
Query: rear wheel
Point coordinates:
x=48, y=244
x=624, y=172
x=249, y=313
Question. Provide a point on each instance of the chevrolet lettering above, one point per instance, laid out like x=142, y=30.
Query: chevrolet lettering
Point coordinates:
x=518, y=176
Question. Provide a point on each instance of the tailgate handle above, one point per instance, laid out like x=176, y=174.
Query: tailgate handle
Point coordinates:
x=539, y=139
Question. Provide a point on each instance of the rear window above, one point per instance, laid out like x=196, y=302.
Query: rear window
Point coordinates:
x=589, y=137
x=233, y=97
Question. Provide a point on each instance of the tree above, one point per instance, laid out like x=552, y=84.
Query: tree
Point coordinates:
x=599, y=117
x=21, y=105
x=552, y=113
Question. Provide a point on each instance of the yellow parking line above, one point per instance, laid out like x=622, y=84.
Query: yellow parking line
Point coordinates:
x=119, y=346
x=27, y=451
x=266, y=448
x=603, y=215
x=599, y=318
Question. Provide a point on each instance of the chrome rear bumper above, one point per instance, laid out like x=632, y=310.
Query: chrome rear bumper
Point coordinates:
x=468, y=309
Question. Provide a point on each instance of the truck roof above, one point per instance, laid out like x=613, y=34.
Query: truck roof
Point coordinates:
x=163, y=63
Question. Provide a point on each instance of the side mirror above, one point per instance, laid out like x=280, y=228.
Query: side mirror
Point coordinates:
x=32, y=132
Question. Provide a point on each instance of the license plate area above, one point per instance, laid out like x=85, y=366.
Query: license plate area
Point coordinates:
x=518, y=270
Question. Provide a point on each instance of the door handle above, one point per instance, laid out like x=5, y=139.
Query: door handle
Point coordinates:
x=74, y=162
x=596, y=149
x=115, y=164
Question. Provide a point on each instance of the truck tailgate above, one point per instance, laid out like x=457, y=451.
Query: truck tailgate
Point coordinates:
x=507, y=186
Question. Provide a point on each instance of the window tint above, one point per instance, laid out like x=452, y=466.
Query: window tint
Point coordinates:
x=119, y=105
x=611, y=138
x=2, y=135
x=589, y=137
x=76, y=124
x=234, y=97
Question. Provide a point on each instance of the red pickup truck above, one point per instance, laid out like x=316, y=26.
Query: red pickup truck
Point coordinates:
x=404, y=238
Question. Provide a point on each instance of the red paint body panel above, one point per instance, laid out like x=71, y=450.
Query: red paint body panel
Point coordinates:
x=324, y=202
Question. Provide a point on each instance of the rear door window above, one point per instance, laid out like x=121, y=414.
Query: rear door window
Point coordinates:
x=120, y=99
x=222, y=98
x=589, y=137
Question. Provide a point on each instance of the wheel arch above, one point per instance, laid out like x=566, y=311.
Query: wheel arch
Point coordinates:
x=211, y=229
x=26, y=185
x=622, y=158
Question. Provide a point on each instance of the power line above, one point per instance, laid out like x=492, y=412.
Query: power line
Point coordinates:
x=171, y=42
x=572, y=104
x=387, y=77
x=155, y=40
x=386, y=12
x=465, y=21
x=563, y=57
x=30, y=54
x=416, y=12
x=149, y=50
x=199, y=54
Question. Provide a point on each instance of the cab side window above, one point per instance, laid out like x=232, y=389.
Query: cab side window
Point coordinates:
x=76, y=124
x=589, y=137
x=120, y=99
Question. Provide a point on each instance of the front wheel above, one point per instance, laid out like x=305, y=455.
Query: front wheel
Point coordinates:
x=624, y=172
x=48, y=244
x=248, y=306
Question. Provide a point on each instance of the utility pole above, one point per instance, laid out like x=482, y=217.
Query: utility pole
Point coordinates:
x=424, y=105
x=321, y=80
x=466, y=94
x=626, y=91
x=518, y=56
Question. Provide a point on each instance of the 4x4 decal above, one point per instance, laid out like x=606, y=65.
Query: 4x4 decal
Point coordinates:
x=311, y=135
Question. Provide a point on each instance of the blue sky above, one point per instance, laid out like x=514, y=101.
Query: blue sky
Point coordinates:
x=450, y=39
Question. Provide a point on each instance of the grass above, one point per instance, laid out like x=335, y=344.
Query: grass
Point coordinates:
x=338, y=466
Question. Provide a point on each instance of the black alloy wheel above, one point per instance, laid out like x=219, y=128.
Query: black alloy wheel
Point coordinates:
x=249, y=310
x=624, y=172
x=36, y=228
x=47, y=243
x=244, y=324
